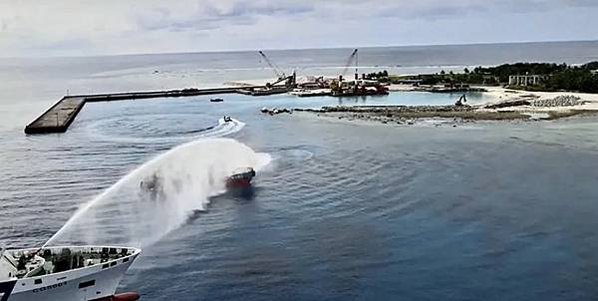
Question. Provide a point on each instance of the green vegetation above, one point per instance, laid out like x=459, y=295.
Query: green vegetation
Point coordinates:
x=381, y=76
x=560, y=76
x=573, y=79
x=503, y=72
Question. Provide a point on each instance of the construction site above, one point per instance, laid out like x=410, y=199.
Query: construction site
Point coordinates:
x=59, y=116
x=320, y=85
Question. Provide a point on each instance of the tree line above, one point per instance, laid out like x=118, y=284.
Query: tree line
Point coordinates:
x=583, y=78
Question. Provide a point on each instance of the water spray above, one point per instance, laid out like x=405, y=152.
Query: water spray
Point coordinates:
x=139, y=210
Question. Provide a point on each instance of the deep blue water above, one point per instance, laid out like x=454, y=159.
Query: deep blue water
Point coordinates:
x=344, y=211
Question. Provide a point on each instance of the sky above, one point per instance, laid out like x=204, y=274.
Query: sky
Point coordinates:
x=33, y=28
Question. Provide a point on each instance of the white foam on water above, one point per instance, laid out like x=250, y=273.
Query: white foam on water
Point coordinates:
x=223, y=128
x=295, y=155
x=160, y=195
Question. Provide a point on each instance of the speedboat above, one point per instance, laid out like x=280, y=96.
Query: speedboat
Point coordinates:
x=241, y=178
x=84, y=273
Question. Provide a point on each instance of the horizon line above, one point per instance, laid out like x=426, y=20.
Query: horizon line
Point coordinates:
x=297, y=49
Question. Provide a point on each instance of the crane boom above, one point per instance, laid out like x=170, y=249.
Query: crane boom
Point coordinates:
x=277, y=71
x=352, y=57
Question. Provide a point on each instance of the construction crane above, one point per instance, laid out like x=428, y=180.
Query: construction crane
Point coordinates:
x=277, y=71
x=352, y=57
x=290, y=81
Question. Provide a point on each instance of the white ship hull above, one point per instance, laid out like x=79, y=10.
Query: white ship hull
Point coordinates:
x=92, y=282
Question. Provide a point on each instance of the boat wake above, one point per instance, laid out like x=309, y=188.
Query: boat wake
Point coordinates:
x=151, y=129
x=160, y=195
x=291, y=154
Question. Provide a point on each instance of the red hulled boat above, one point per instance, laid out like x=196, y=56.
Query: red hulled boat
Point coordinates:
x=241, y=178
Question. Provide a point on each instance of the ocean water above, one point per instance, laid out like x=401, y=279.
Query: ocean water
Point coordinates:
x=339, y=211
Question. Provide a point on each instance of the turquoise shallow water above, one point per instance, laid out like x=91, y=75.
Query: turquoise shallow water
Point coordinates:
x=487, y=211
x=495, y=211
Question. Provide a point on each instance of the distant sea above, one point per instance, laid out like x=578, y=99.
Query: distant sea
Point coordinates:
x=341, y=211
x=47, y=79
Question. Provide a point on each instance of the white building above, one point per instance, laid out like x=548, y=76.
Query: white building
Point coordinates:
x=526, y=80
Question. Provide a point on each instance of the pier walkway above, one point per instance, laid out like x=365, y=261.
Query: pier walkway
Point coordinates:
x=59, y=117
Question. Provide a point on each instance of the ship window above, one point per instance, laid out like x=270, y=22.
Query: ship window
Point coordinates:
x=87, y=284
x=113, y=263
x=105, y=266
x=126, y=259
x=37, y=281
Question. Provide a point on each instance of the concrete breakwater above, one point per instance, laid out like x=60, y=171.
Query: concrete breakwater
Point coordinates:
x=453, y=113
x=408, y=114
x=59, y=116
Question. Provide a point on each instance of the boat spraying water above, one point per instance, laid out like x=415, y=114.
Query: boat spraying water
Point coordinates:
x=65, y=273
x=138, y=210
x=159, y=196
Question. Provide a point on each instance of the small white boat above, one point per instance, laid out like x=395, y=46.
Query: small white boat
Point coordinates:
x=82, y=273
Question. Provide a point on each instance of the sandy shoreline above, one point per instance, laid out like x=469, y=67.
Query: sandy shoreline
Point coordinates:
x=501, y=105
x=497, y=95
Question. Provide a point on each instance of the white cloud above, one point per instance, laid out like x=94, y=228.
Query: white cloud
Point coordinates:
x=85, y=27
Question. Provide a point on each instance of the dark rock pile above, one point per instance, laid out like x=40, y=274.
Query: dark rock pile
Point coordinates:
x=385, y=110
x=508, y=104
x=276, y=111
